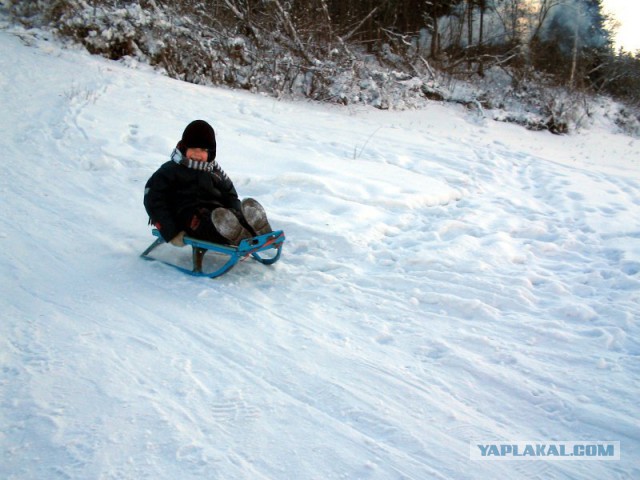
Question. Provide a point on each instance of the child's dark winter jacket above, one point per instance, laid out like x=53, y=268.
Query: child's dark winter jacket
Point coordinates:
x=181, y=187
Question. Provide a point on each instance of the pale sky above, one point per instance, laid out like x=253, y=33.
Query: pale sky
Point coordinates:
x=627, y=12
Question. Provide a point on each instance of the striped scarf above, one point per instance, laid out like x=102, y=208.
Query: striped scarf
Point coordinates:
x=179, y=158
x=211, y=166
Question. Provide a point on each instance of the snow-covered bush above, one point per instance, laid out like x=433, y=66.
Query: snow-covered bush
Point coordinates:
x=628, y=121
x=263, y=52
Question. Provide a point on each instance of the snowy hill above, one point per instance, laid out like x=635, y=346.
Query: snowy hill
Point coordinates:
x=445, y=281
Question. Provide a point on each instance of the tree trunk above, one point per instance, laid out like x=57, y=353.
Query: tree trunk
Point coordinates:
x=469, y=31
x=481, y=39
x=574, y=60
x=469, y=23
x=435, y=40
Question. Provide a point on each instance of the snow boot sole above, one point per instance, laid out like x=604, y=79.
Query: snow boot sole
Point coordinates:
x=228, y=225
x=255, y=216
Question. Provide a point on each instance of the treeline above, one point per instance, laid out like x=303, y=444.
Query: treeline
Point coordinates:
x=327, y=49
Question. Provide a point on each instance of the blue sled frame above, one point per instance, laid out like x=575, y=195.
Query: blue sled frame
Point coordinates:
x=253, y=247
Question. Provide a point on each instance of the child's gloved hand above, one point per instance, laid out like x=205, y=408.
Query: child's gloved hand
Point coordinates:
x=178, y=240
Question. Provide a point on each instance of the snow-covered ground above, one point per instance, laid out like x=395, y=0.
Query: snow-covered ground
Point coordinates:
x=446, y=280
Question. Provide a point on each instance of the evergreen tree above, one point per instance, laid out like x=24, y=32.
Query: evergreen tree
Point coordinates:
x=574, y=42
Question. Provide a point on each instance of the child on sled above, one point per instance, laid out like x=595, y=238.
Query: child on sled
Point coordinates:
x=191, y=195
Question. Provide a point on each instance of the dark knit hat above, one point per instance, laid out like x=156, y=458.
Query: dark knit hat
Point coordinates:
x=199, y=134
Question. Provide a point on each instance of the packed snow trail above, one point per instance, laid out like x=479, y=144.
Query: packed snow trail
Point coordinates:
x=445, y=280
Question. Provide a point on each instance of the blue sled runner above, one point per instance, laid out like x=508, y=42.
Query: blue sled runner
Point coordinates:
x=249, y=247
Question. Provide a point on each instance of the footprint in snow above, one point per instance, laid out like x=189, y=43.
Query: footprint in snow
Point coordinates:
x=132, y=135
x=230, y=407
